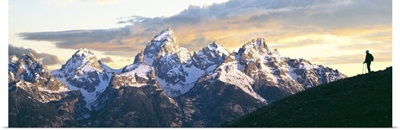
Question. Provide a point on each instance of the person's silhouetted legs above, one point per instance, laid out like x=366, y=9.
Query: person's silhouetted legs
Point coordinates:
x=369, y=67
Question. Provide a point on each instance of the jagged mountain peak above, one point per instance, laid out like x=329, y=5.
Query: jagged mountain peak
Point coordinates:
x=84, y=52
x=267, y=70
x=253, y=73
x=215, y=47
x=28, y=62
x=164, y=44
x=165, y=35
x=139, y=58
x=28, y=70
x=209, y=56
x=83, y=60
x=12, y=59
x=27, y=56
x=85, y=55
x=255, y=46
x=85, y=73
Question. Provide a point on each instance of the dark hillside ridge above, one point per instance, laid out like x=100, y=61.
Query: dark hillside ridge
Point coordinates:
x=360, y=101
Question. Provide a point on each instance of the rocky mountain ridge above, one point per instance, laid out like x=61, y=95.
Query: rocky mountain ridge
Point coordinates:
x=192, y=88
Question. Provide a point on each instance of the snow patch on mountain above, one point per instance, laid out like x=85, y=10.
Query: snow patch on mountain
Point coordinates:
x=194, y=74
x=134, y=75
x=228, y=73
x=176, y=70
x=139, y=69
x=28, y=69
x=13, y=59
x=166, y=34
x=85, y=73
x=174, y=90
x=43, y=95
x=51, y=91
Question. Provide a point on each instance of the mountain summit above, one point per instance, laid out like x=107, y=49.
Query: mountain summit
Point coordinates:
x=85, y=73
x=166, y=86
x=257, y=69
x=28, y=70
x=31, y=76
x=164, y=45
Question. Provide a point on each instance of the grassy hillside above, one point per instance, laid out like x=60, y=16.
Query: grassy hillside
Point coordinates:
x=359, y=101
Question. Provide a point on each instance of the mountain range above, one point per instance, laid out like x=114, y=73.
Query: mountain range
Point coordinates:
x=165, y=86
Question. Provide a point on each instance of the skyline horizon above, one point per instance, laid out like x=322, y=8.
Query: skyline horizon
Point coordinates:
x=190, y=51
x=55, y=67
x=302, y=29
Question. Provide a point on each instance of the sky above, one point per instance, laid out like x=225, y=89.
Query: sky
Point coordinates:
x=328, y=32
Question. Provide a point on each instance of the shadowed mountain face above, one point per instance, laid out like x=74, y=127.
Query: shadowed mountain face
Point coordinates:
x=219, y=102
x=146, y=106
x=165, y=86
x=360, y=101
x=27, y=107
x=27, y=70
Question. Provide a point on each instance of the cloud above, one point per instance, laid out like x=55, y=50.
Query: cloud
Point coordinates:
x=352, y=59
x=371, y=37
x=231, y=24
x=302, y=40
x=101, y=39
x=341, y=59
x=46, y=59
x=106, y=60
x=65, y=39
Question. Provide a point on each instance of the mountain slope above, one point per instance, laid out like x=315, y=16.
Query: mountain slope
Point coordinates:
x=85, y=73
x=210, y=103
x=145, y=106
x=27, y=70
x=25, y=111
x=37, y=99
x=134, y=99
x=28, y=74
x=360, y=101
x=175, y=68
x=268, y=76
x=166, y=86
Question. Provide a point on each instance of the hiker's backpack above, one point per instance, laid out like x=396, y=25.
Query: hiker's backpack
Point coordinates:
x=372, y=58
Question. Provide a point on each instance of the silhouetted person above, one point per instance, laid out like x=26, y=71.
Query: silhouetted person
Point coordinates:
x=368, y=59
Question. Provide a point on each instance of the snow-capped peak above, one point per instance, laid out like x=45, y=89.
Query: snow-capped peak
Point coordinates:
x=12, y=59
x=28, y=70
x=85, y=73
x=84, y=52
x=164, y=44
x=85, y=55
x=258, y=44
x=256, y=47
x=166, y=34
x=84, y=60
x=215, y=47
x=28, y=56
